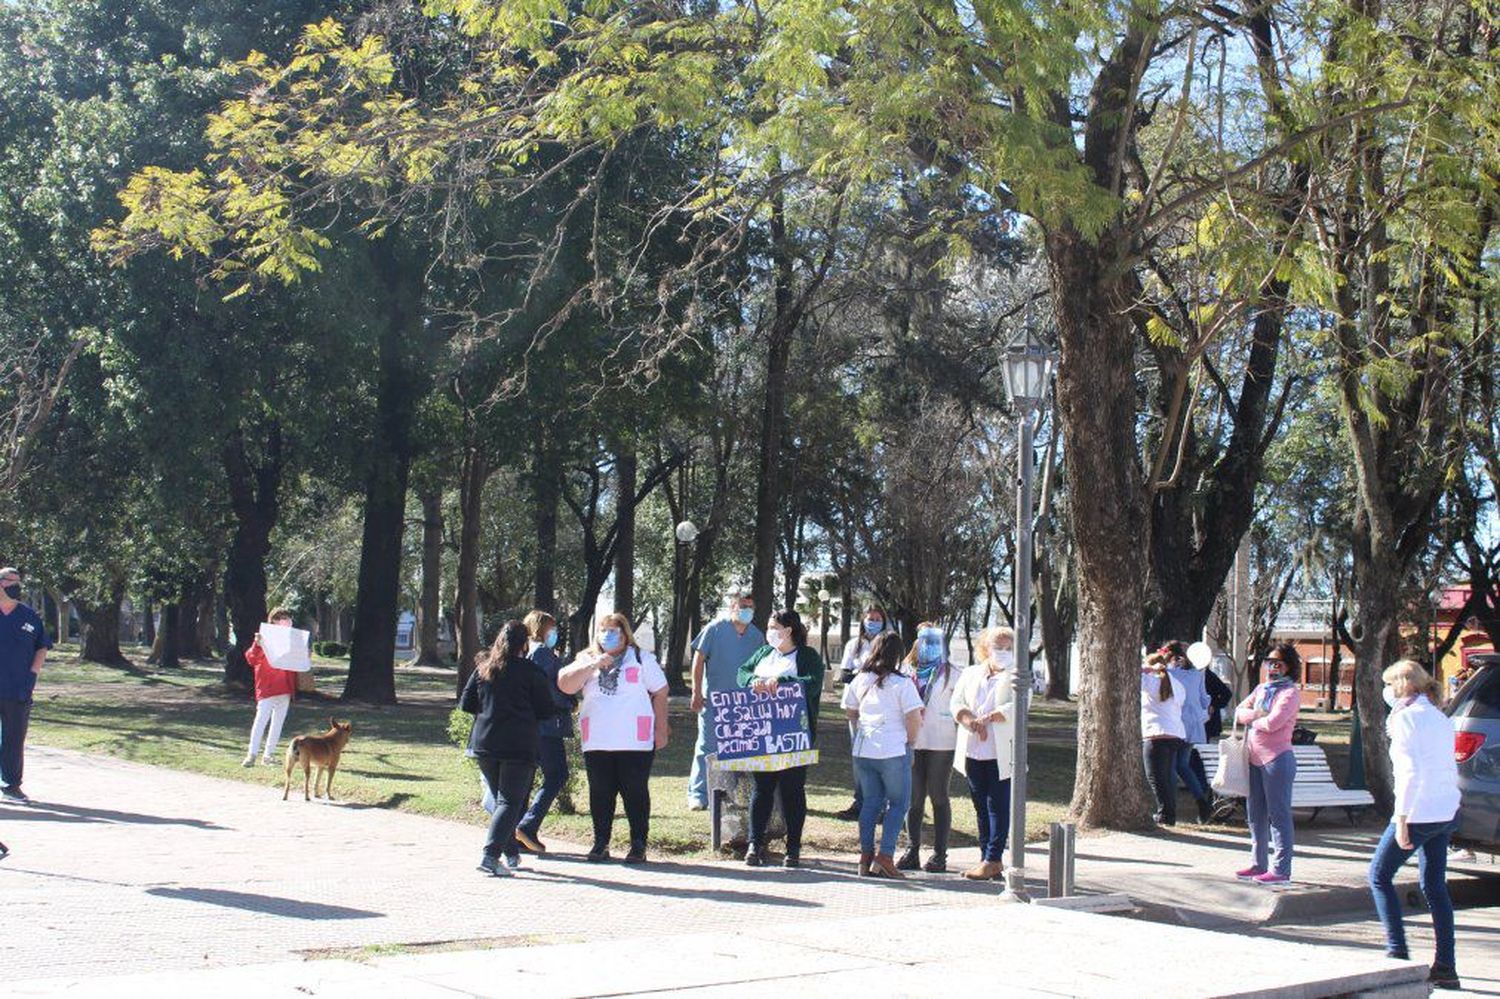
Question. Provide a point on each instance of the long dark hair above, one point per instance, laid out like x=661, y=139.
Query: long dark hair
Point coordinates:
x=1292, y=658
x=509, y=644
x=884, y=657
x=792, y=621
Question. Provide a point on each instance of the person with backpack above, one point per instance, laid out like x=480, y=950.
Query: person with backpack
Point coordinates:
x=1195, y=706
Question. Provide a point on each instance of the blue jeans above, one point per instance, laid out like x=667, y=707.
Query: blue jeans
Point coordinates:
x=991, y=797
x=552, y=757
x=1187, y=774
x=1429, y=842
x=698, y=774
x=885, y=786
x=1269, y=808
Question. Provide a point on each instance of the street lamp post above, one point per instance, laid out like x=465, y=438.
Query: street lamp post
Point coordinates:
x=1028, y=371
x=686, y=533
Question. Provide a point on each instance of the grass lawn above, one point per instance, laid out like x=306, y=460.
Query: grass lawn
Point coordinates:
x=401, y=757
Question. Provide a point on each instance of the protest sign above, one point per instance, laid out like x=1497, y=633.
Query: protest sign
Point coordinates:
x=285, y=648
x=762, y=732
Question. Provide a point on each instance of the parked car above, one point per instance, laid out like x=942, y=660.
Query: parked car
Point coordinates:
x=1475, y=710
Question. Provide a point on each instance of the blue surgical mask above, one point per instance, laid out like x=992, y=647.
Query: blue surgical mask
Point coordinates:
x=610, y=640
x=744, y=614
x=550, y=640
x=874, y=627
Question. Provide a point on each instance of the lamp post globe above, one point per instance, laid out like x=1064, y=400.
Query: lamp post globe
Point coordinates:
x=687, y=532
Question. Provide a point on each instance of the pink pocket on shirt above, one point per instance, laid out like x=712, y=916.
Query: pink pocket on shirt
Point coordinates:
x=645, y=726
x=583, y=727
x=632, y=674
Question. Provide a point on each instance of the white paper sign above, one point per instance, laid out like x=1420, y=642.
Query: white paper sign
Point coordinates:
x=285, y=647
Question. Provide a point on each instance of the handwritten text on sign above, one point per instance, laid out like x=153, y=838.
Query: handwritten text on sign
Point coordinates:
x=761, y=731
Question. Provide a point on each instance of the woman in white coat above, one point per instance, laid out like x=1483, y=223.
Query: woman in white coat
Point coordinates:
x=932, y=753
x=981, y=707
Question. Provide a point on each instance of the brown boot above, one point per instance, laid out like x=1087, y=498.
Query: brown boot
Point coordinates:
x=864, y=864
x=986, y=871
x=886, y=866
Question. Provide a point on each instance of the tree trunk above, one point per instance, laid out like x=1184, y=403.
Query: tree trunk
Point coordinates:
x=166, y=653
x=1057, y=631
x=188, y=609
x=254, y=497
x=430, y=613
x=148, y=625
x=773, y=416
x=377, y=604
x=101, y=629
x=474, y=474
x=546, y=479
x=1097, y=402
x=625, y=484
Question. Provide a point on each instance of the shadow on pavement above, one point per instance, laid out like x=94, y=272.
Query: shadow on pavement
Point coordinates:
x=269, y=904
x=50, y=812
x=678, y=891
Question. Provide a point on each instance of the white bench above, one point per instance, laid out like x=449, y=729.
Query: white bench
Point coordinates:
x=1313, y=787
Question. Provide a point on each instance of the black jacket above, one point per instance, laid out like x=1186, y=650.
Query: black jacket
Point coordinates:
x=507, y=711
x=1219, y=695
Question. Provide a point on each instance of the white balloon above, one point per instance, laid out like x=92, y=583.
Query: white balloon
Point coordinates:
x=1199, y=654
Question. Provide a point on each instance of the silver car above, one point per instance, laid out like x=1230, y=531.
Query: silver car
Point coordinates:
x=1475, y=710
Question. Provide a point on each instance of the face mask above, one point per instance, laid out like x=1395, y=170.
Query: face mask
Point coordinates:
x=610, y=640
x=874, y=627
x=744, y=614
x=1390, y=697
x=1005, y=658
x=551, y=639
x=13, y=591
x=774, y=638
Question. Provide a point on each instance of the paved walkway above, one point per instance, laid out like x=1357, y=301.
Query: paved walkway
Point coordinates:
x=135, y=880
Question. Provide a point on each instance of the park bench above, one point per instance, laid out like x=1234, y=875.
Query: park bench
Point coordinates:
x=1313, y=787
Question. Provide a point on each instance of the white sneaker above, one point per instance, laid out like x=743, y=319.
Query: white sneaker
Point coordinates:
x=248, y=761
x=694, y=805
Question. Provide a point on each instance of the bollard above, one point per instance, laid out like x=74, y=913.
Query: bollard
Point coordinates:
x=1060, y=860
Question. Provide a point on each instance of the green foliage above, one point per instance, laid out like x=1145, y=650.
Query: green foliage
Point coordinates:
x=331, y=650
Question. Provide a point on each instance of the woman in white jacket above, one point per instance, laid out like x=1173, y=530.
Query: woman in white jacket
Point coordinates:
x=981, y=706
x=1427, y=797
x=932, y=753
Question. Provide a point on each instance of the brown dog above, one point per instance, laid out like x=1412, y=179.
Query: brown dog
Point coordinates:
x=320, y=750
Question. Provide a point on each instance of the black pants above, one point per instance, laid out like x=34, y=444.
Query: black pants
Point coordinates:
x=793, y=785
x=1160, y=759
x=15, y=717
x=509, y=781
x=624, y=774
x=930, y=770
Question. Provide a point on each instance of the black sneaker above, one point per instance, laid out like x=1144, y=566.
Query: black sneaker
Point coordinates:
x=1205, y=811
x=791, y=860
x=754, y=858
x=850, y=814
x=909, y=861
x=637, y=855
x=491, y=866
x=598, y=855
x=14, y=794
x=1441, y=977
x=936, y=864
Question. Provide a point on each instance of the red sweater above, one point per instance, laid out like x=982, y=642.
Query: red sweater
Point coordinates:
x=269, y=681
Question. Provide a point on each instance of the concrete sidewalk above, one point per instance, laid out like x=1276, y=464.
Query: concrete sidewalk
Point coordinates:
x=135, y=880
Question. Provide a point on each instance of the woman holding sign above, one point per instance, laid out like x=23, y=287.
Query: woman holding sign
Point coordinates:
x=886, y=710
x=623, y=722
x=785, y=659
x=273, y=694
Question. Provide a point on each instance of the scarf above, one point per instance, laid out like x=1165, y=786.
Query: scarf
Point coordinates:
x=1271, y=689
x=926, y=675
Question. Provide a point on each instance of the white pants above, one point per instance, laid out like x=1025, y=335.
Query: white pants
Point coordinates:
x=268, y=711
